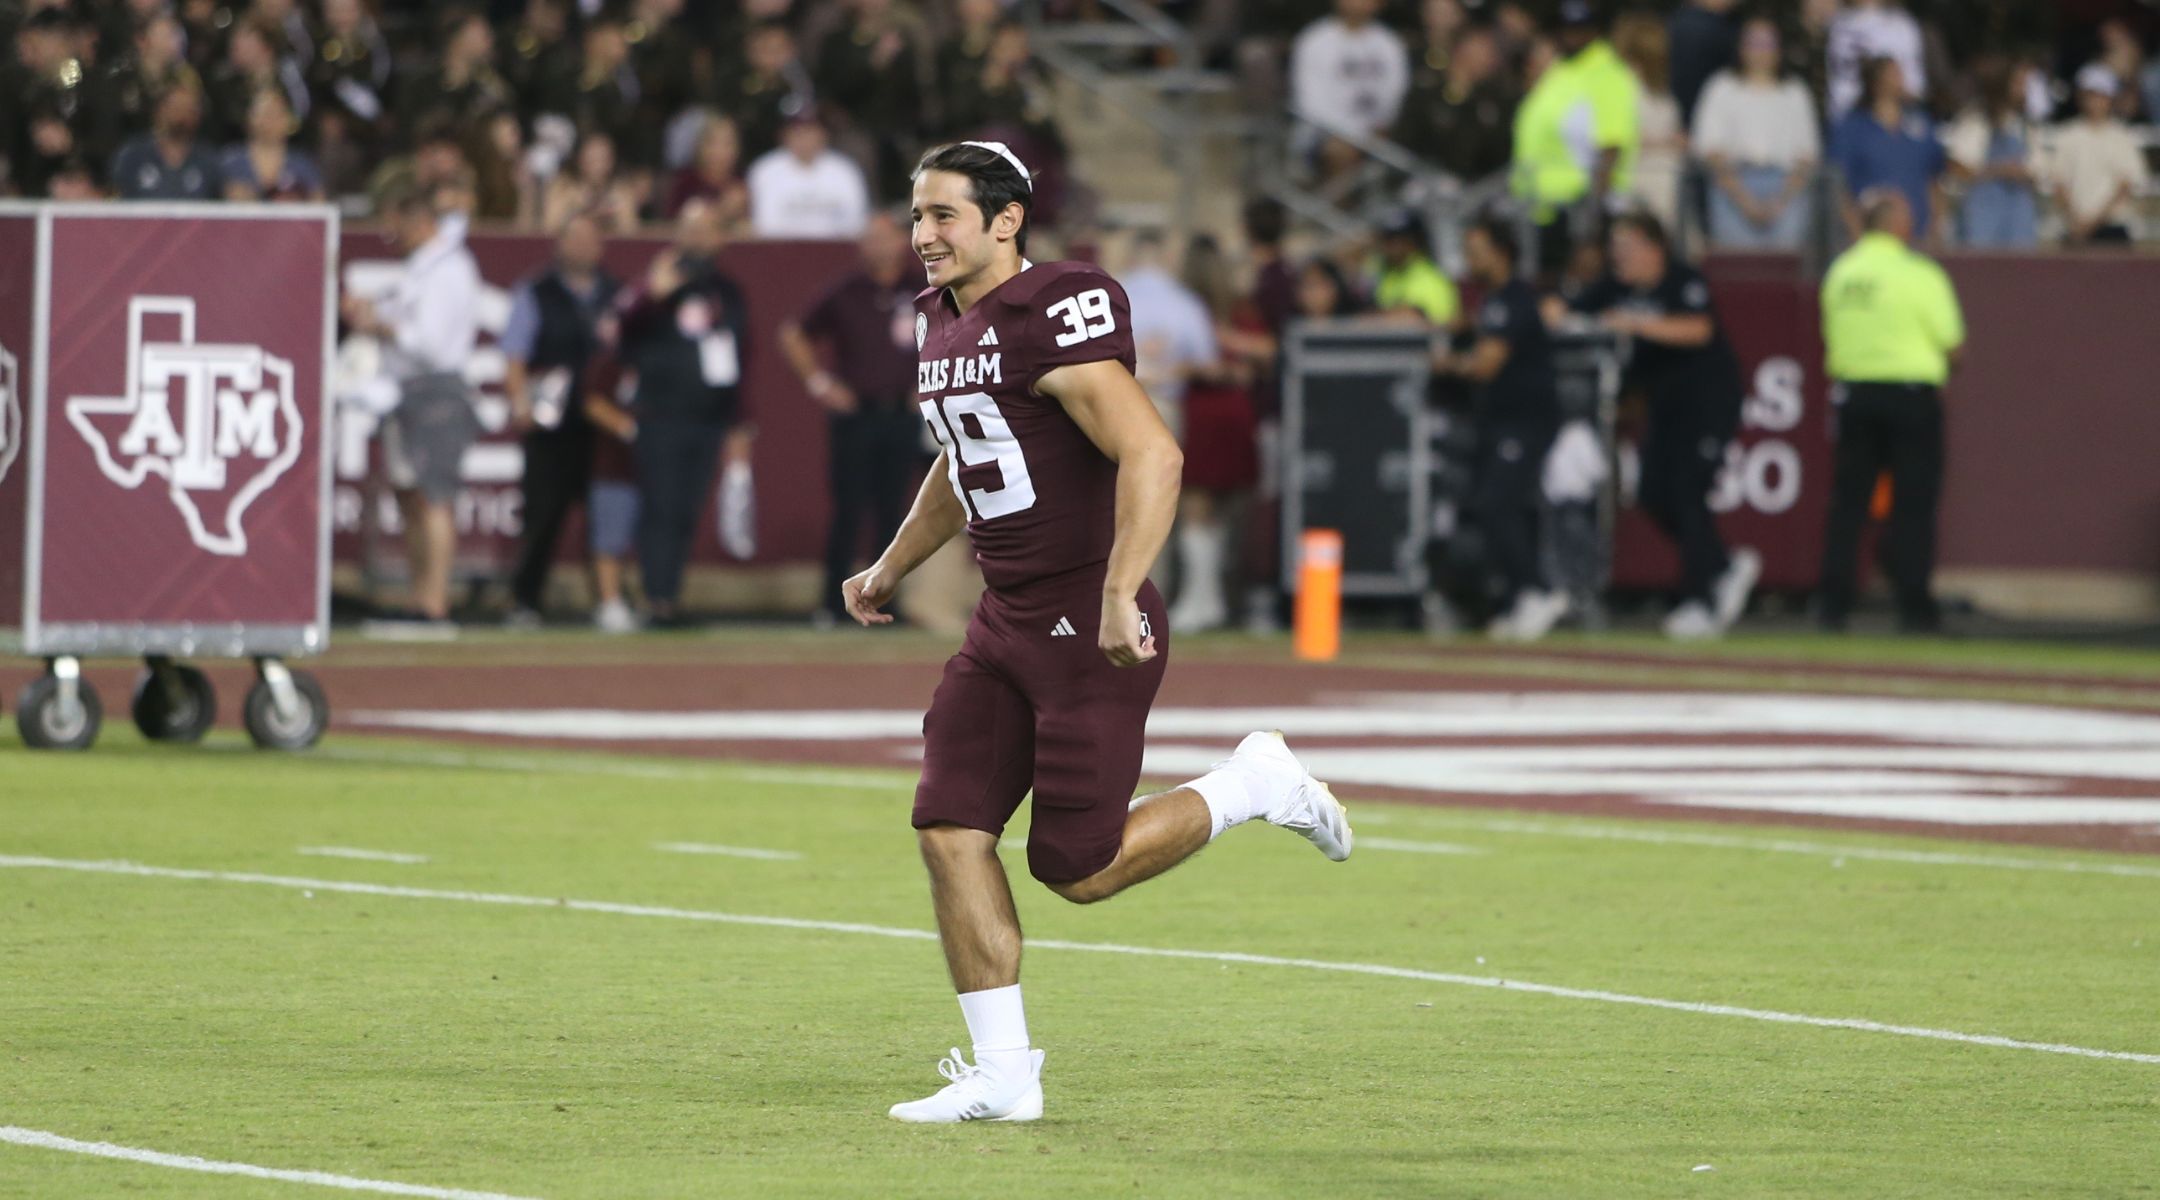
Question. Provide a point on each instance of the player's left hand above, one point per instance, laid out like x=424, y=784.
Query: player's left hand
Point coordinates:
x=1125, y=639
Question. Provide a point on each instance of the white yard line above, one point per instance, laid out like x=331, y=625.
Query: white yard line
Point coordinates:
x=40, y=1140
x=1932, y=858
x=727, y=851
x=1384, y=843
x=27, y=862
x=577, y=764
x=388, y=856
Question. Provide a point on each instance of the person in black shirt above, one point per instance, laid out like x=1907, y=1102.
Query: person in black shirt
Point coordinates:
x=1687, y=371
x=686, y=337
x=1518, y=414
x=867, y=321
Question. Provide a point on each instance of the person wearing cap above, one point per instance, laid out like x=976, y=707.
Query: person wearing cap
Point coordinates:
x=806, y=189
x=1411, y=286
x=2096, y=169
x=1577, y=132
x=1891, y=330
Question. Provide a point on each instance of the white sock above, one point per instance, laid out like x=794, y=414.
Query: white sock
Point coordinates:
x=997, y=1023
x=1234, y=796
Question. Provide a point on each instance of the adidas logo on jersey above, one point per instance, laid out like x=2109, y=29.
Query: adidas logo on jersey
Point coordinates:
x=989, y=338
x=1064, y=628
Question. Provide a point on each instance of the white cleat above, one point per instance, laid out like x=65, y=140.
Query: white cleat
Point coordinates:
x=976, y=1094
x=1735, y=586
x=1306, y=806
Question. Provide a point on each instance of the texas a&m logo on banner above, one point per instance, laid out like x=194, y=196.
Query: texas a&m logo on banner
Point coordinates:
x=217, y=422
x=11, y=419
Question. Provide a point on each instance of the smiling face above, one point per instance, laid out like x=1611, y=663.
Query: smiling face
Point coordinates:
x=951, y=235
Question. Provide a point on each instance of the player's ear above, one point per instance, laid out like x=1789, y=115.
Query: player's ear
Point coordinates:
x=1007, y=225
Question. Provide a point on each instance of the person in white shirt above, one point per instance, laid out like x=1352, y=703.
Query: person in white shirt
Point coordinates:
x=2095, y=165
x=1757, y=134
x=1872, y=29
x=1173, y=339
x=428, y=326
x=805, y=188
x=1348, y=74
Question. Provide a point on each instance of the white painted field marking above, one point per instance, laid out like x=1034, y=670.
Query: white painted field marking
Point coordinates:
x=870, y=779
x=1933, y=858
x=40, y=1140
x=388, y=856
x=891, y=781
x=727, y=851
x=1383, y=843
x=1222, y=956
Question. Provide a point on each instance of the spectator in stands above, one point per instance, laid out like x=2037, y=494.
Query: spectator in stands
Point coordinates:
x=1274, y=277
x=1173, y=333
x=685, y=337
x=2096, y=167
x=1441, y=24
x=1324, y=292
x=555, y=328
x=1757, y=134
x=595, y=184
x=1411, y=288
x=291, y=37
x=869, y=69
x=1889, y=142
x=1458, y=116
x=265, y=166
x=46, y=80
x=252, y=64
x=129, y=86
x=1704, y=42
x=464, y=82
x=2124, y=57
x=1348, y=75
x=350, y=70
x=805, y=188
x=773, y=87
x=1011, y=102
x=1862, y=33
x=169, y=162
x=665, y=58
x=964, y=52
x=866, y=323
x=506, y=190
x=1222, y=454
x=714, y=175
x=1994, y=151
x=1640, y=41
x=536, y=52
x=599, y=88
x=1891, y=332
x=428, y=327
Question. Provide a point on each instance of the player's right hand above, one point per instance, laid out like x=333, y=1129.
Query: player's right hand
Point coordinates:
x=868, y=592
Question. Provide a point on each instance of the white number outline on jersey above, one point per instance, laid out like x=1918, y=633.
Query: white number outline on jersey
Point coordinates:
x=1081, y=313
x=997, y=444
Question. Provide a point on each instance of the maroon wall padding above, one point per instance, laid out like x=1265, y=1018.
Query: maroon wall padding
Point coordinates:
x=18, y=265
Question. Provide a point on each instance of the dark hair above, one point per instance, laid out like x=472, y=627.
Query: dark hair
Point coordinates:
x=1346, y=300
x=1871, y=76
x=1265, y=222
x=1645, y=225
x=1501, y=233
x=454, y=20
x=993, y=184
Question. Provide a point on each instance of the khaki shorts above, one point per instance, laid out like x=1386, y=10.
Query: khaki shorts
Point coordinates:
x=425, y=437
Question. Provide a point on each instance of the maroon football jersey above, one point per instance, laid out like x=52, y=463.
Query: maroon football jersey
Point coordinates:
x=1041, y=499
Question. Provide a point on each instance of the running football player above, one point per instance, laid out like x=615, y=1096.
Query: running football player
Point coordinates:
x=1066, y=480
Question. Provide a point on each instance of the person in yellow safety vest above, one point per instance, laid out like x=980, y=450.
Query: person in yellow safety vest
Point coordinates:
x=1891, y=332
x=1411, y=286
x=1576, y=132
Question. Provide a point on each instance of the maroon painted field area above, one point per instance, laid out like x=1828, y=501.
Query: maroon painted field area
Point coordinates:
x=2045, y=756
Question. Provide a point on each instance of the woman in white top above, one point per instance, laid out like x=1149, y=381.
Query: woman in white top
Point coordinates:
x=1994, y=151
x=1642, y=43
x=1757, y=134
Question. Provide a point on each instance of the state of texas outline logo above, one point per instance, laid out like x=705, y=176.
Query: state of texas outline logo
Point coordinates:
x=237, y=416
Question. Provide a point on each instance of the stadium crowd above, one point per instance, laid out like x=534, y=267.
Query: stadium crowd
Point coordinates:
x=798, y=115
x=1999, y=124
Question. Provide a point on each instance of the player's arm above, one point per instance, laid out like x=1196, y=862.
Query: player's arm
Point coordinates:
x=1114, y=412
x=932, y=521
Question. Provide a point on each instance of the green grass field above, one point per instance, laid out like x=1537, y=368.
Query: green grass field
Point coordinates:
x=545, y=1049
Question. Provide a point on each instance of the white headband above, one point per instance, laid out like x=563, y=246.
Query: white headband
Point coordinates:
x=1005, y=152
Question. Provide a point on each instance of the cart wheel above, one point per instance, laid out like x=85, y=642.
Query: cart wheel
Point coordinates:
x=46, y=725
x=296, y=730
x=174, y=704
